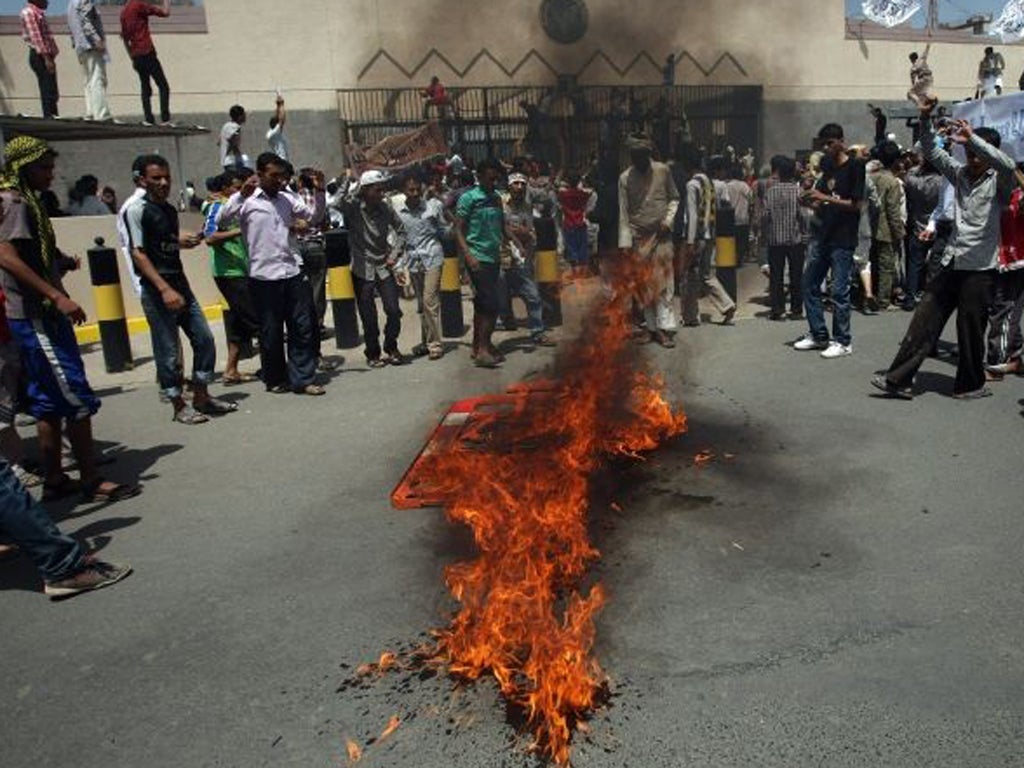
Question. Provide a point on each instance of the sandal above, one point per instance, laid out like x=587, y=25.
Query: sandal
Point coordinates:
x=242, y=378
x=189, y=415
x=377, y=363
x=214, y=407
x=63, y=488
x=117, y=492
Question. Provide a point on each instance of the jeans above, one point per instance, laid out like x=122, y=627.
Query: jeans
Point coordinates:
x=148, y=67
x=822, y=258
x=287, y=304
x=387, y=289
x=517, y=281
x=94, y=72
x=778, y=257
x=576, y=252
x=26, y=524
x=49, y=94
x=163, y=330
x=917, y=255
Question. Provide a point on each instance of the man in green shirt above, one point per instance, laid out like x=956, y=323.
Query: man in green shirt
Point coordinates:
x=479, y=232
x=229, y=262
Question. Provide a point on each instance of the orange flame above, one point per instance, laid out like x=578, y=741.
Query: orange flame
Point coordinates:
x=523, y=493
x=392, y=726
x=355, y=754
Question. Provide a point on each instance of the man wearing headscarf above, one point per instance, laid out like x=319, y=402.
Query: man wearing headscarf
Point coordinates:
x=40, y=315
x=648, y=201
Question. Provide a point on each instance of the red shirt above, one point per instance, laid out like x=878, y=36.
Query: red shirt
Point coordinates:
x=135, y=27
x=573, y=201
x=1011, y=241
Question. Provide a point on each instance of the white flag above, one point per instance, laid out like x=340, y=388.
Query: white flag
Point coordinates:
x=890, y=13
x=1010, y=24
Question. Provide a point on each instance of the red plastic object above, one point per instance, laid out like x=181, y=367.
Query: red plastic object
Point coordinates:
x=466, y=422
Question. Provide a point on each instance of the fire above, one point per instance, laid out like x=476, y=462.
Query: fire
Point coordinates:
x=524, y=617
x=355, y=754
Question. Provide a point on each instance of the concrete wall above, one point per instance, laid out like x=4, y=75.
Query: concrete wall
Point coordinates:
x=796, y=49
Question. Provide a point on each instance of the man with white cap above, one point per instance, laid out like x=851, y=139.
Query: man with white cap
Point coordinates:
x=648, y=201
x=376, y=239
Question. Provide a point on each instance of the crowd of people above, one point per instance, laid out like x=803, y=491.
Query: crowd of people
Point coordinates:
x=89, y=42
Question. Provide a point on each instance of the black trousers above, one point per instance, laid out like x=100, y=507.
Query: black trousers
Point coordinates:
x=778, y=257
x=48, y=92
x=970, y=295
x=149, y=68
x=287, y=304
x=388, y=291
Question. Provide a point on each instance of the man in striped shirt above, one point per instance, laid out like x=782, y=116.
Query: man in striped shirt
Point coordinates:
x=784, y=230
x=35, y=31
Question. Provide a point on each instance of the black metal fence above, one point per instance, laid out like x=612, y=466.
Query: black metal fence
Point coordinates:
x=566, y=125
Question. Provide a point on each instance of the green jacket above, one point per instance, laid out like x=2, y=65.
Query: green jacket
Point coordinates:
x=891, y=227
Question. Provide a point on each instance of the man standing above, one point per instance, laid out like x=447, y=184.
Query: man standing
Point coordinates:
x=231, y=139
x=87, y=36
x=890, y=229
x=40, y=315
x=983, y=186
x=167, y=297
x=784, y=228
x=920, y=79
x=695, y=231
x=740, y=197
x=990, y=73
x=479, y=232
x=376, y=239
x=276, y=140
x=425, y=226
x=648, y=201
x=137, y=39
x=517, y=278
x=42, y=52
x=838, y=197
x=267, y=213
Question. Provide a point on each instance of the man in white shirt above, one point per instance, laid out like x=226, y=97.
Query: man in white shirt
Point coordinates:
x=86, y=28
x=231, y=138
x=276, y=139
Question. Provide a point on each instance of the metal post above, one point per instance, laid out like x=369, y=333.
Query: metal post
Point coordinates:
x=110, y=314
x=549, y=281
x=340, y=289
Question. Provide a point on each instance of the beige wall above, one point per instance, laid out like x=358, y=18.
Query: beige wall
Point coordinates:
x=795, y=48
x=77, y=234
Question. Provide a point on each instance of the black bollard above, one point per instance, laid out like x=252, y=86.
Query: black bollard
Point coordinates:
x=549, y=281
x=110, y=314
x=341, y=290
x=453, y=324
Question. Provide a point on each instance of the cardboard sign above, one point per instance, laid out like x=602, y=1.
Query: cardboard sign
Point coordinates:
x=1004, y=113
x=399, y=151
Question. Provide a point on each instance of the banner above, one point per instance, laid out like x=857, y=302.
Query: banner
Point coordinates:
x=1004, y=113
x=890, y=13
x=399, y=151
x=1009, y=27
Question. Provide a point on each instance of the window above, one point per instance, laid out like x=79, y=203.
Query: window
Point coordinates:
x=186, y=16
x=940, y=20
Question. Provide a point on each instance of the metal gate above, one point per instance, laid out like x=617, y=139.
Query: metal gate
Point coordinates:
x=566, y=125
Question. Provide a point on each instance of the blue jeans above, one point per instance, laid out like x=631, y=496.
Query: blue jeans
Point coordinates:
x=163, y=330
x=516, y=281
x=822, y=258
x=27, y=525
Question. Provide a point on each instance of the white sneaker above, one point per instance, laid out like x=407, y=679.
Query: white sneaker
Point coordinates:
x=835, y=349
x=805, y=343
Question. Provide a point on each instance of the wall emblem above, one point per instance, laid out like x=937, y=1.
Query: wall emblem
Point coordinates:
x=565, y=21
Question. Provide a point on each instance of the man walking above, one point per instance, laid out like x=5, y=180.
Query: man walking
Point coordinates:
x=267, y=213
x=42, y=53
x=648, y=201
x=983, y=186
x=90, y=44
x=139, y=42
x=167, y=297
x=838, y=197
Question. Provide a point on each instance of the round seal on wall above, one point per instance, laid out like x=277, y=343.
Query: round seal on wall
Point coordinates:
x=565, y=21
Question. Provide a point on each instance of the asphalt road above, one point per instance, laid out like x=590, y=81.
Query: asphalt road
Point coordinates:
x=840, y=586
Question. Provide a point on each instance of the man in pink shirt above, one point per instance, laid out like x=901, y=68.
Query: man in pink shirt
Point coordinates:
x=137, y=39
x=35, y=31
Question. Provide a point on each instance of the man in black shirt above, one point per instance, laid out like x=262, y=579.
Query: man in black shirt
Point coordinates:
x=167, y=298
x=838, y=197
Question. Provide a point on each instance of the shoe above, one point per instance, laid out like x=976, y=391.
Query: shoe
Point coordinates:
x=663, y=339
x=691, y=324
x=435, y=355
x=835, y=349
x=26, y=477
x=325, y=366
x=420, y=350
x=215, y=407
x=314, y=390
x=900, y=393
x=1001, y=369
x=870, y=306
x=974, y=394
x=776, y=316
x=543, y=340
x=396, y=358
x=95, y=575
x=485, y=360
x=728, y=315
x=795, y=315
x=278, y=389
x=325, y=333
x=189, y=415
x=808, y=342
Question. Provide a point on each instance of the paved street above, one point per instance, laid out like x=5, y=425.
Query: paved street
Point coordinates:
x=840, y=586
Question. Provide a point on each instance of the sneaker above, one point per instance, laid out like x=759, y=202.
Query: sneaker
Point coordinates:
x=95, y=575
x=974, y=394
x=835, y=349
x=900, y=393
x=807, y=343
